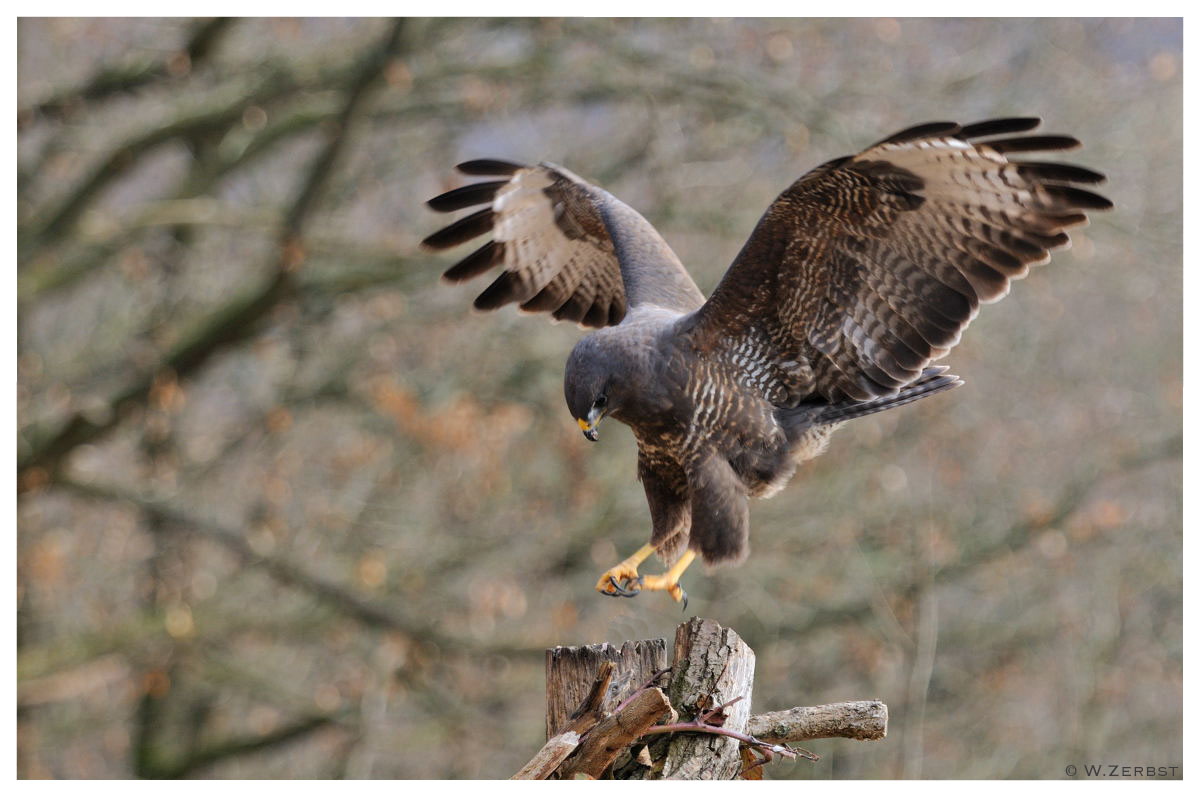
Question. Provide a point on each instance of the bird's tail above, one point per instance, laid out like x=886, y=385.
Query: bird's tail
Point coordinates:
x=934, y=379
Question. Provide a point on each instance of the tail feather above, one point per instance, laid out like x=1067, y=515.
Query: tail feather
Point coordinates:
x=934, y=379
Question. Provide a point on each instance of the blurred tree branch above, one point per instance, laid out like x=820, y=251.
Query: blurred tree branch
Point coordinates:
x=237, y=320
x=35, y=282
x=54, y=224
x=285, y=572
x=109, y=81
x=155, y=765
x=180, y=211
x=138, y=639
x=1018, y=536
x=291, y=574
x=51, y=226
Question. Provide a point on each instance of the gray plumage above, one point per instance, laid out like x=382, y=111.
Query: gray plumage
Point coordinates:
x=856, y=279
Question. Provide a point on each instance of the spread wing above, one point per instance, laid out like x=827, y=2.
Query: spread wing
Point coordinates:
x=567, y=247
x=869, y=267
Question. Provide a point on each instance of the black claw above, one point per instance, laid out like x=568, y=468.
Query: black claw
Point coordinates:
x=684, y=591
x=620, y=591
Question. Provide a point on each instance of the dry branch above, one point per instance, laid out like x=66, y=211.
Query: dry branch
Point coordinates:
x=542, y=765
x=591, y=710
x=606, y=734
x=604, y=742
x=855, y=719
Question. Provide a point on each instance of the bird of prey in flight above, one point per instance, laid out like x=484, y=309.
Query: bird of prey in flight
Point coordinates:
x=857, y=279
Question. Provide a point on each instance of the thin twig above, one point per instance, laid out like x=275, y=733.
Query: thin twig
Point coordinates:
x=696, y=726
x=705, y=716
x=702, y=724
x=641, y=689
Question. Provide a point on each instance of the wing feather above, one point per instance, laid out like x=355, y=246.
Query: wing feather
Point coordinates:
x=488, y=167
x=466, y=196
x=925, y=130
x=567, y=247
x=461, y=231
x=870, y=267
x=999, y=127
x=476, y=263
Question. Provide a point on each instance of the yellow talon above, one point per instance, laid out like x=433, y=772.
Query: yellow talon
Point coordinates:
x=625, y=572
x=623, y=579
x=669, y=581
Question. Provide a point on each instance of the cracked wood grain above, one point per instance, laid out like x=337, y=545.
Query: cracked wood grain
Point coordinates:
x=712, y=666
x=571, y=672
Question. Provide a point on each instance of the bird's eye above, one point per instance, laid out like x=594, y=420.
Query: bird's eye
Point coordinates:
x=600, y=401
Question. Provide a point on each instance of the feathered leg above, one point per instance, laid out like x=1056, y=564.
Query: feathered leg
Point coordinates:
x=670, y=516
x=720, y=510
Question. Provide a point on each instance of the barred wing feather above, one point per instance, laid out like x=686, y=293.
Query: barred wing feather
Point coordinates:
x=869, y=267
x=567, y=247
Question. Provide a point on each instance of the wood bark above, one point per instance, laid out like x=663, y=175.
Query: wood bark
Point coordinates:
x=571, y=673
x=856, y=719
x=712, y=666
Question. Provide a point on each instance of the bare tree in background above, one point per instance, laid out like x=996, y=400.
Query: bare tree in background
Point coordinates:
x=285, y=509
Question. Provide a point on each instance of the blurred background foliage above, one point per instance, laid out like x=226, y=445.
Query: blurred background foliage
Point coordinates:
x=287, y=508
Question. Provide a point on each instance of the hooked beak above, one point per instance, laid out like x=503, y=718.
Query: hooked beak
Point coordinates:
x=589, y=424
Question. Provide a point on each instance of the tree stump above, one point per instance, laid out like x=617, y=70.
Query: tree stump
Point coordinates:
x=712, y=666
x=607, y=717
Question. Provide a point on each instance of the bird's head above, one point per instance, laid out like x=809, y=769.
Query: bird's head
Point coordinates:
x=591, y=386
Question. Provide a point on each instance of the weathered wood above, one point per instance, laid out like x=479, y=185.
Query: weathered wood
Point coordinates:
x=591, y=710
x=553, y=753
x=712, y=666
x=615, y=733
x=571, y=672
x=855, y=719
x=631, y=730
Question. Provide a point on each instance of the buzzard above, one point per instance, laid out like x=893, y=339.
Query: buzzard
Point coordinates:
x=858, y=277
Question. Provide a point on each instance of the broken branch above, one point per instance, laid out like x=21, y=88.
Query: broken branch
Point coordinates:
x=616, y=732
x=854, y=719
x=549, y=757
